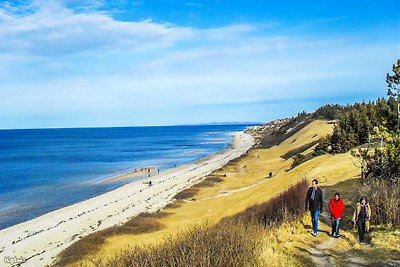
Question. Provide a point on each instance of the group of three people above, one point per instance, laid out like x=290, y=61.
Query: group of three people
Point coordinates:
x=314, y=203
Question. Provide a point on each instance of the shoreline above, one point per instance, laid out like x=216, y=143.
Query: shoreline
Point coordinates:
x=142, y=172
x=40, y=240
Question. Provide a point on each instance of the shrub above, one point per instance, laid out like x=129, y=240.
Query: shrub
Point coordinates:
x=214, y=179
x=174, y=204
x=384, y=198
x=208, y=182
x=187, y=193
x=235, y=241
x=143, y=223
x=285, y=207
x=297, y=160
x=383, y=162
x=225, y=244
x=323, y=147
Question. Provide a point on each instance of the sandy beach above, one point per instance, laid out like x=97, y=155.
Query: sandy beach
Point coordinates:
x=38, y=242
x=137, y=173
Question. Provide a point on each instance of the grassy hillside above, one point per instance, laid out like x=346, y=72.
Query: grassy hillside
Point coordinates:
x=242, y=184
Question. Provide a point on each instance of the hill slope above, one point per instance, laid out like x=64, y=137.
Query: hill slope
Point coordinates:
x=244, y=184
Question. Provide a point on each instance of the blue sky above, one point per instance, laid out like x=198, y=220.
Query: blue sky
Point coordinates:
x=70, y=63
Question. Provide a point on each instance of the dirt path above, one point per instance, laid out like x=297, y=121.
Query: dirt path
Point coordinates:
x=231, y=192
x=321, y=255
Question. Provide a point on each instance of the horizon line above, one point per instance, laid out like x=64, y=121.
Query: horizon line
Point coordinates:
x=134, y=126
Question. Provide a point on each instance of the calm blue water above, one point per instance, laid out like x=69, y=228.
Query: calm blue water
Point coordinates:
x=44, y=169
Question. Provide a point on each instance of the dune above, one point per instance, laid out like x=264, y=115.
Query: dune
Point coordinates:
x=242, y=187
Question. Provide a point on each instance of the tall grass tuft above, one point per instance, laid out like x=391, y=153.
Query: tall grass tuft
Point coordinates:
x=384, y=198
x=288, y=205
x=224, y=244
x=143, y=223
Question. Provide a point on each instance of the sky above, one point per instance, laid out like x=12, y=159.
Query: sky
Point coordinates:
x=97, y=63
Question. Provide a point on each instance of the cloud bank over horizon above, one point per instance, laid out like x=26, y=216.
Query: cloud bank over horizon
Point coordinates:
x=79, y=63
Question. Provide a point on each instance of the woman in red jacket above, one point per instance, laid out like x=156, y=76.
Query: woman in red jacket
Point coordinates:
x=336, y=206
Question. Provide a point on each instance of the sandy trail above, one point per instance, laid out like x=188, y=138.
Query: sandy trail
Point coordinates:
x=321, y=255
x=37, y=242
x=231, y=192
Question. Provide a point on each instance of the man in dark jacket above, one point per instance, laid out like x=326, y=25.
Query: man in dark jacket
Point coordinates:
x=314, y=204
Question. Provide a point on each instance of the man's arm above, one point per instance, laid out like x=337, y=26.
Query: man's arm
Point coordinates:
x=307, y=199
x=322, y=202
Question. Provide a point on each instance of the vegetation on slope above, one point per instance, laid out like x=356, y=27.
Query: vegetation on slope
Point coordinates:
x=235, y=241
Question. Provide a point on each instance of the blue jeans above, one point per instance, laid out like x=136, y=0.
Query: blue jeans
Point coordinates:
x=314, y=220
x=335, y=226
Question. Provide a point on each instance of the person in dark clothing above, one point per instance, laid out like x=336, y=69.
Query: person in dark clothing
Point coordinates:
x=314, y=202
x=361, y=218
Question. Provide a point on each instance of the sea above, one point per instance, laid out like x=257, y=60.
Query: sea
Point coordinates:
x=42, y=170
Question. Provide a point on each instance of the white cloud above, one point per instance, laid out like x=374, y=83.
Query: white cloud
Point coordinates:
x=50, y=29
x=53, y=30
x=56, y=61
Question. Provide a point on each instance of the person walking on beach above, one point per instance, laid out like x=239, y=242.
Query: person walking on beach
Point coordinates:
x=314, y=202
x=336, y=207
x=361, y=218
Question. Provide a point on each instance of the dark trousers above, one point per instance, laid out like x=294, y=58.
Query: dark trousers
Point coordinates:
x=361, y=230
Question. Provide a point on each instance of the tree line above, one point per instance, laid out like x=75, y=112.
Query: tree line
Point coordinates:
x=369, y=129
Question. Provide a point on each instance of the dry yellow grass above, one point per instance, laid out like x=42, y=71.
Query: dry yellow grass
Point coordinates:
x=298, y=245
x=245, y=184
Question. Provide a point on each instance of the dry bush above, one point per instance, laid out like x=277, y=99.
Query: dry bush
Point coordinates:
x=157, y=215
x=143, y=223
x=174, y=204
x=235, y=241
x=234, y=161
x=187, y=193
x=288, y=205
x=299, y=159
x=214, y=179
x=203, y=183
x=224, y=244
x=384, y=198
x=208, y=182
